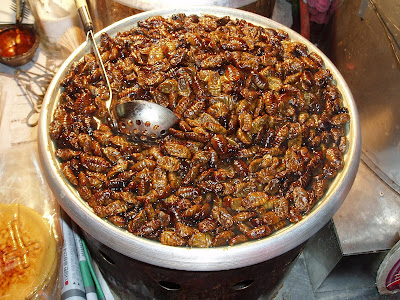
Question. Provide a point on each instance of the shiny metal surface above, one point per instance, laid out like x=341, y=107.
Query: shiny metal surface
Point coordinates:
x=162, y=4
x=322, y=253
x=363, y=53
x=107, y=12
x=368, y=219
x=142, y=120
x=99, y=13
x=194, y=259
x=135, y=280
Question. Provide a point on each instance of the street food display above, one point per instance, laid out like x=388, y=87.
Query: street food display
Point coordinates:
x=261, y=132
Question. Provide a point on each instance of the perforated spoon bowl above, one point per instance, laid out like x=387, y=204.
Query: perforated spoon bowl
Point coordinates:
x=142, y=120
x=139, y=120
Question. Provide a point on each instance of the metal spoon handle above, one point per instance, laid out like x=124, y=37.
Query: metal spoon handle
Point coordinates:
x=84, y=14
x=20, y=5
x=87, y=22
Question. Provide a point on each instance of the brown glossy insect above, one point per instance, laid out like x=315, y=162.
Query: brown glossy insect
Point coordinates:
x=215, y=127
x=203, y=137
x=238, y=239
x=174, y=180
x=116, y=207
x=118, y=168
x=208, y=224
x=188, y=192
x=103, y=137
x=243, y=216
x=192, y=174
x=112, y=154
x=137, y=221
x=223, y=174
x=220, y=144
x=184, y=231
x=218, y=110
x=243, y=189
x=117, y=221
x=241, y=167
x=194, y=109
x=259, y=232
x=200, y=240
x=177, y=150
x=245, y=121
x=335, y=157
x=258, y=123
x=127, y=197
x=255, y=199
x=222, y=216
x=94, y=163
x=148, y=228
x=222, y=238
x=168, y=86
x=170, y=238
x=248, y=152
x=169, y=163
x=67, y=154
x=69, y=173
x=144, y=164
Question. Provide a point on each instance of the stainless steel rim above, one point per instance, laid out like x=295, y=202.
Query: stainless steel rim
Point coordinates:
x=195, y=259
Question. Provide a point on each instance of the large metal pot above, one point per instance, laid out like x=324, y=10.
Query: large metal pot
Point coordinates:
x=179, y=258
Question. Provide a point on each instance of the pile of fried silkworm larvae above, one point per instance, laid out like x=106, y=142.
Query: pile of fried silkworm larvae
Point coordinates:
x=261, y=131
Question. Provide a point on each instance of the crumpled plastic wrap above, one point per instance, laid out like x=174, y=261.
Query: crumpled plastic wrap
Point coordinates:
x=21, y=182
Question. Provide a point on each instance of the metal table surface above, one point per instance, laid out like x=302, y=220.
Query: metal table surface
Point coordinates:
x=365, y=49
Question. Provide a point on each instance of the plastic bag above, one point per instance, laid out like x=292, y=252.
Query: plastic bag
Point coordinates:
x=22, y=183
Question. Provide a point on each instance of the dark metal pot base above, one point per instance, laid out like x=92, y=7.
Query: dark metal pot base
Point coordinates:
x=132, y=279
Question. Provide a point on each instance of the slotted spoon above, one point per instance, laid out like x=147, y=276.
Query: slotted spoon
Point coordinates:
x=139, y=120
